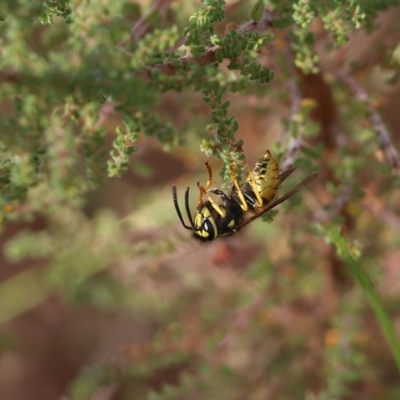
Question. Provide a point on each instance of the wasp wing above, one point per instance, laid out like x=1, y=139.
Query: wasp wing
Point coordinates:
x=285, y=174
x=281, y=199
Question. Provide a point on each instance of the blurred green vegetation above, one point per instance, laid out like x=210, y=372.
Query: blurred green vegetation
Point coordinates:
x=105, y=104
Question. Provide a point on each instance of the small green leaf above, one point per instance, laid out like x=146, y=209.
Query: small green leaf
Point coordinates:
x=384, y=169
x=257, y=10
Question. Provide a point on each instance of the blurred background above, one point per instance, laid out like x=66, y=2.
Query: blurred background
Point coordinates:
x=104, y=295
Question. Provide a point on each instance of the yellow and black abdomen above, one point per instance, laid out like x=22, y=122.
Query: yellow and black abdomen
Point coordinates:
x=264, y=179
x=266, y=175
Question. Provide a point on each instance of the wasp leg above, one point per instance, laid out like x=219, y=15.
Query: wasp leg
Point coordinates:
x=209, y=182
x=243, y=203
x=219, y=193
x=204, y=192
x=215, y=206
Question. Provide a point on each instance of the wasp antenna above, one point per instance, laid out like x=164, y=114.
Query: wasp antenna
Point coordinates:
x=189, y=214
x=178, y=211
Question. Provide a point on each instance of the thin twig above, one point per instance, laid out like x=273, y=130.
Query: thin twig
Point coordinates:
x=384, y=138
x=295, y=143
x=142, y=25
x=322, y=215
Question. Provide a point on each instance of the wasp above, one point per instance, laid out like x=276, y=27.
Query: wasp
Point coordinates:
x=227, y=216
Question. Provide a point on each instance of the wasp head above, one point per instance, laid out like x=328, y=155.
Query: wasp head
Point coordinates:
x=205, y=224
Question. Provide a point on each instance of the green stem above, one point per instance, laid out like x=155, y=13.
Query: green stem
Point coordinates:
x=362, y=278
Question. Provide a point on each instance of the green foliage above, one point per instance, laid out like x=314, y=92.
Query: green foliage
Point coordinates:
x=344, y=356
x=349, y=256
x=7, y=343
x=55, y=8
x=123, y=148
x=149, y=49
x=92, y=91
x=201, y=27
x=89, y=383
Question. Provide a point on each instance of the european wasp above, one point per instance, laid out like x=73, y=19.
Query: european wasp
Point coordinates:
x=226, y=217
